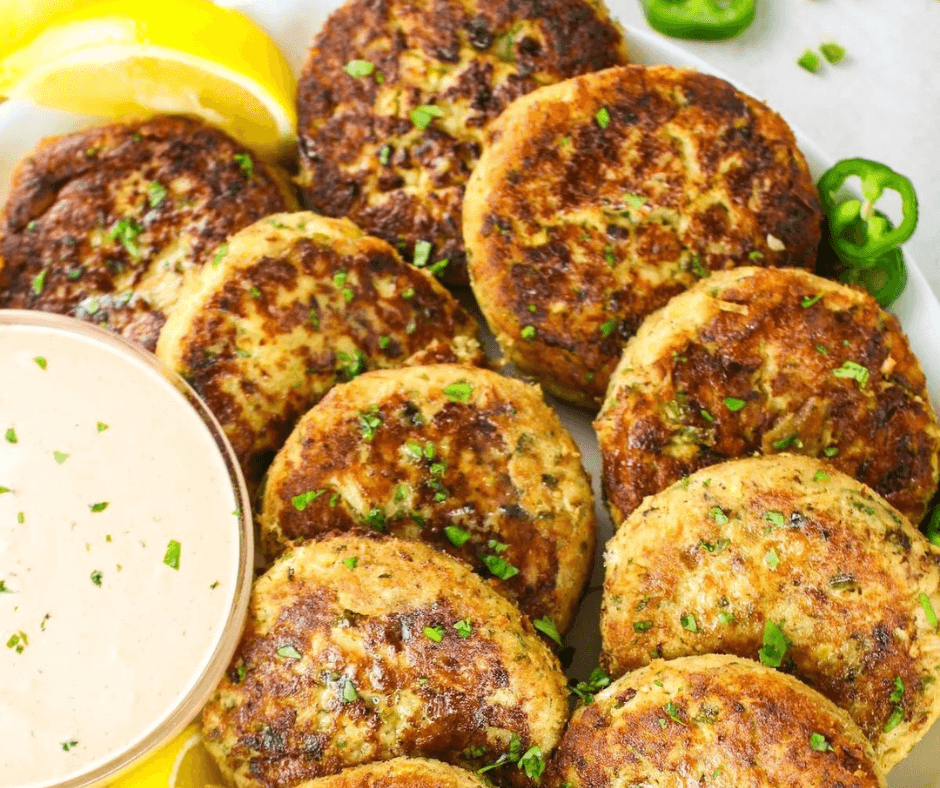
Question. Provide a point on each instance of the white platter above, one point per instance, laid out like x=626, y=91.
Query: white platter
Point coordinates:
x=292, y=23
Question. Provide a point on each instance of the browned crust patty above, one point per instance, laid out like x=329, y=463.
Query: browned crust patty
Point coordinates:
x=769, y=360
x=469, y=461
x=400, y=773
x=702, y=566
x=602, y=197
x=361, y=649
x=292, y=305
x=363, y=155
x=712, y=721
x=107, y=223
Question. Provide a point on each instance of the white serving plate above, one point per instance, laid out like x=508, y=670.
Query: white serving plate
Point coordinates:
x=293, y=23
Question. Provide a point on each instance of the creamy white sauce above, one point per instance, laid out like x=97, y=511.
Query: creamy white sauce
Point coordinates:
x=105, y=663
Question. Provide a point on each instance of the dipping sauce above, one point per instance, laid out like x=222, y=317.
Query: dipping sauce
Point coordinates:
x=123, y=566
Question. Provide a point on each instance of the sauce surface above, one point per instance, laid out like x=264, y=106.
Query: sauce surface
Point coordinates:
x=119, y=552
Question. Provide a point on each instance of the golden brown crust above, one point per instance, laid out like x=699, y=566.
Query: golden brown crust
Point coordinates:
x=416, y=451
x=579, y=227
x=292, y=305
x=400, y=773
x=835, y=378
x=337, y=668
x=700, y=567
x=713, y=720
x=469, y=58
x=107, y=223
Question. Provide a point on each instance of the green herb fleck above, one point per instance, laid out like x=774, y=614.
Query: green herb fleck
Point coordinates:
x=771, y=558
x=156, y=194
x=688, y=622
x=459, y=391
x=528, y=332
x=532, y=763
x=718, y=515
x=673, y=711
x=894, y=720
x=102, y=426
x=775, y=645
x=384, y=155
x=41, y=362
x=172, y=555
x=818, y=743
x=39, y=281
x=854, y=371
x=288, y=652
x=434, y=633
x=897, y=694
x=642, y=626
x=359, y=68
x=376, y=519
x=18, y=641
x=808, y=301
x=707, y=416
x=608, y=328
x=422, y=253
x=246, y=163
x=255, y=292
x=609, y=256
x=423, y=116
x=20, y=518
x=810, y=61
x=821, y=476
x=351, y=563
x=776, y=518
x=755, y=255
x=928, y=610
x=69, y=745
x=369, y=422
x=126, y=231
x=725, y=617
x=384, y=342
x=349, y=692
x=464, y=628
x=458, y=536
x=602, y=116
x=60, y=456
x=11, y=435
x=98, y=507
x=546, y=626
x=220, y=254
x=832, y=52
x=96, y=577
x=734, y=404
x=500, y=567
x=585, y=690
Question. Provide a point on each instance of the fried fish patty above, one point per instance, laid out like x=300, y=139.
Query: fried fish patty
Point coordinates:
x=106, y=224
x=602, y=197
x=474, y=463
x=701, y=567
x=396, y=99
x=400, y=773
x=292, y=305
x=712, y=720
x=360, y=649
x=762, y=361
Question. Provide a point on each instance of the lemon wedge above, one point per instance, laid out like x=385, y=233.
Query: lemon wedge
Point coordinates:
x=183, y=763
x=131, y=57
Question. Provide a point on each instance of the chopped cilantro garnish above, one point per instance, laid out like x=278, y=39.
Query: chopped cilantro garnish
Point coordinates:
x=220, y=254
x=351, y=366
x=156, y=194
x=532, y=763
x=102, y=426
x=608, y=328
x=288, y=652
x=776, y=518
x=172, y=555
x=434, y=633
x=459, y=391
x=384, y=155
x=339, y=278
x=96, y=577
x=928, y=610
x=771, y=558
x=11, y=435
x=546, y=626
x=688, y=622
x=775, y=645
x=438, y=268
x=856, y=372
x=458, y=536
x=602, y=116
x=734, y=404
x=349, y=692
x=41, y=362
x=20, y=518
x=897, y=694
x=376, y=519
x=707, y=416
x=725, y=617
x=359, y=68
x=384, y=342
x=60, y=456
x=642, y=626
x=609, y=256
x=254, y=292
x=528, y=332
x=39, y=281
x=784, y=443
x=499, y=567
x=246, y=163
x=720, y=545
x=585, y=689
x=831, y=451
x=673, y=711
x=69, y=745
x=98, y=507
x=370, y=421
x=808, y=301
x=351, y=563
x=634, y=200
x=126, y=231
x=832, y=52
x=423, y=116
x=818, y=743
x=4, y=589
x=422, y=253
x=463, y=628
x=894, y=720
x=408, y=294
x=4, y=490
x=820, y=476
x=810, y=61
x=718, y=515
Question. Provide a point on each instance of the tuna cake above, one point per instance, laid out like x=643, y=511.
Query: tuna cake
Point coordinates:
x=713, y=720
x=106, y=224
x=469, y=461
x=396, y=99
x=401, y=773
x=787, y=547
x=602, y=197
x=290, y=306
x=764, y=361
x=363, y=648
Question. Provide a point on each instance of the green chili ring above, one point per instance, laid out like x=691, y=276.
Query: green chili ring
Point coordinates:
x=701, y=20
x=879, y=237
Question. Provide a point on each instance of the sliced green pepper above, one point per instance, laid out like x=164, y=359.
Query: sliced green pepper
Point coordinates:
x=703, y=20
x=884, y=277
x=879, y=236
